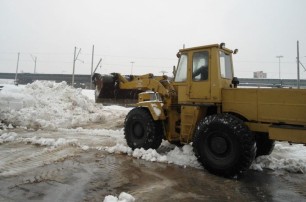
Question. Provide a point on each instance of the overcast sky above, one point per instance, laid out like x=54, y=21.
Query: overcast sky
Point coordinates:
x=149, y=33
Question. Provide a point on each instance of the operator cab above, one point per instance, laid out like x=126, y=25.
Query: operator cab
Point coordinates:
x=202, y=72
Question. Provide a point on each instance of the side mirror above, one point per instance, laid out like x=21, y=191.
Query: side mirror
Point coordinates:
x=178, y=55
x=174, y=71
x=235, y=51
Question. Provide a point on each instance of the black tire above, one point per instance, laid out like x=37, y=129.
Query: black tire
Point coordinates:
x=141, y=131
x=224, y=145
x=264, y=145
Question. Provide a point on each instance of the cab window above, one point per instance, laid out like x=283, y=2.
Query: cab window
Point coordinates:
x=181, y=73
x=200, y=66
x=225, y=65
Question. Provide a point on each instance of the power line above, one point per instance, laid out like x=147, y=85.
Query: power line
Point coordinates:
x=89, y=54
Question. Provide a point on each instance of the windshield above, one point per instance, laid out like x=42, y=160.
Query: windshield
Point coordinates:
x=226, y=65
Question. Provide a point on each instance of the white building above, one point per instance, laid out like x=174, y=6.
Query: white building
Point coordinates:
x=260, y=75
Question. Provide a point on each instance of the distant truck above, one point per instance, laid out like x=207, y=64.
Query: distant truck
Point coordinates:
x=228, y=126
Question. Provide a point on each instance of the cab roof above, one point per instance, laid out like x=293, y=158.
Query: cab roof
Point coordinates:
x=205, y=47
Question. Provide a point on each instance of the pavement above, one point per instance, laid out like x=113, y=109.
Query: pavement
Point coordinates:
x=35, y=172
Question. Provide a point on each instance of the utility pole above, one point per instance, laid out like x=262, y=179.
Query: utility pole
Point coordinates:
x=132, y=67
x=92, y=61
x=279, y=70
x=98, y=65
x=16, y=82
x=75, y=57
x=298, y=64
x=34, y=60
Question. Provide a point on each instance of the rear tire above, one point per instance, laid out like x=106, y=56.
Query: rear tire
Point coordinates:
x=224, y=144
x=141, y=131
x=264, y=145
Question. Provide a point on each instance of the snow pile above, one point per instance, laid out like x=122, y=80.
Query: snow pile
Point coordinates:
x=180, y=156
x=184, y=156
x=8, y=137
x=45, y=104
x=291, y=158
x=49, y=141
x=89, y=93
x=149, y=155
x=118, y=149
x=123, y=197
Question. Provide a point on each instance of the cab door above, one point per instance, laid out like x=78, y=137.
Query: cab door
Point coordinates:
x=200, y=75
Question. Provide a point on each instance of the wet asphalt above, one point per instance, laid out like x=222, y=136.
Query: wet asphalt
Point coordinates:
x=91, y=175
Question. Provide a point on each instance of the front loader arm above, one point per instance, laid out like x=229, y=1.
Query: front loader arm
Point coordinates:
x=147, y=82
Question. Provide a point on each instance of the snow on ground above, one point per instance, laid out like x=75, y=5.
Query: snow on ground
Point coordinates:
x=56, y=113
x=284, y=156
x=123, y=197
x=6, y=81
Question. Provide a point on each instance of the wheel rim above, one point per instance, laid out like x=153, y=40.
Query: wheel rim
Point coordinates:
x=138, y=130
x=219, y=145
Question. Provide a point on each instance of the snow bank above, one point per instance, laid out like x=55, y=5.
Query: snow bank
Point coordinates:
x=123, y=197
x=180, y=156
x=49, y=105
x=8, y=137
x=291, y=158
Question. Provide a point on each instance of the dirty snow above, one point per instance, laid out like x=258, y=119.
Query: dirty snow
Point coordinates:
x=57, y=113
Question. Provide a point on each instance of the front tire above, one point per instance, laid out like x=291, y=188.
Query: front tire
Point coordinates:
x=141, y=131
x=224, y=144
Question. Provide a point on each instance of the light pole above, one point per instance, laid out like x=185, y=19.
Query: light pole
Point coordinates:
x=92, y=61
x=279, y=70
x=34, y=58
x=16, y=81
x=75, y=58
x=132, y=67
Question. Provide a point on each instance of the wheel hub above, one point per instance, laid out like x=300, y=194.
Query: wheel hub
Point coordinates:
x=138, y=130
x=218, y=145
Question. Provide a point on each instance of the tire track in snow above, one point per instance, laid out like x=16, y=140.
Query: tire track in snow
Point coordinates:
x=31, y=157
x=294, y=186
x=30, y=149
x=10, y=151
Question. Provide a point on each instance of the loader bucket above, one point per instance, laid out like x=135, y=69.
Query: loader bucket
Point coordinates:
x=107, y=91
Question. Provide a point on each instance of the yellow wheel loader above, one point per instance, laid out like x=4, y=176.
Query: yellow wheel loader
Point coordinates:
x=227, y=125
